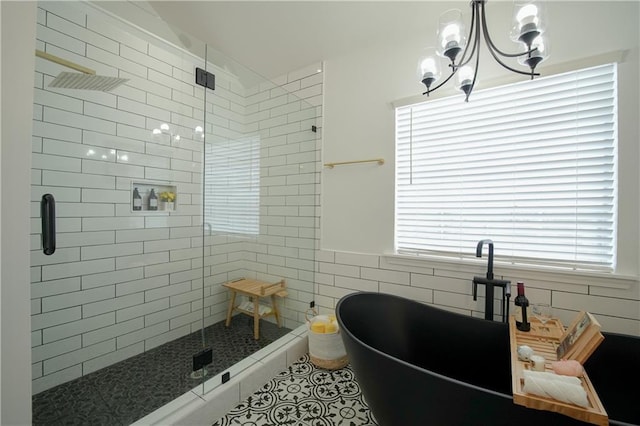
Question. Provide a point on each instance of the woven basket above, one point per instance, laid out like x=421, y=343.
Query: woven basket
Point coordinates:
x=326, y=350
x=329, y=364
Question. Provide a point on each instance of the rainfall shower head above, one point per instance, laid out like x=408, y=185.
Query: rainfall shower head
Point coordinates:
x=75, y=80
x=86, y=79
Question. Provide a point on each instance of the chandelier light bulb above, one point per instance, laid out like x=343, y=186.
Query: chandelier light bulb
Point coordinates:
x=527, y=14
x=527, y=21
x=465, y=78
x=541, y=52
x=451, y=39
x=541, y=47
x=429, y=68
x=450, y=35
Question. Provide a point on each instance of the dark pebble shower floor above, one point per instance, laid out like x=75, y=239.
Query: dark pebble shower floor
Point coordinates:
x=129, y=390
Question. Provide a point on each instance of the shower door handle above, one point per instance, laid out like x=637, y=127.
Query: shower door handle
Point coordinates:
x=48, y=215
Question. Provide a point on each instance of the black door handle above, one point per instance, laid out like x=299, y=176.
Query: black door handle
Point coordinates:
x=48, y=215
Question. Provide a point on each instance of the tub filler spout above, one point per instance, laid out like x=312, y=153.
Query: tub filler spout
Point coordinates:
x=481, y=243
x=490, y=283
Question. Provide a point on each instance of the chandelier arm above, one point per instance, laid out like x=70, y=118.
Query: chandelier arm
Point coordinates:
x=517, y=71
x=475, y=20
x=475, y=71
x=453, y=71
x=491, y=45
x=493, y=50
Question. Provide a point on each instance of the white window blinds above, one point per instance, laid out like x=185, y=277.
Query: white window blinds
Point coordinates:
x=531, y=166
x=232, y=186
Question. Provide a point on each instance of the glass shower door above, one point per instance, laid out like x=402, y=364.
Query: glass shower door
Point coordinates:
x=117, y=288
x=260, y=209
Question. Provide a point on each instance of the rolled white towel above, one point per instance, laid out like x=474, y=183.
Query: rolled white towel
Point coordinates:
x=551, y=385
x=248, y=306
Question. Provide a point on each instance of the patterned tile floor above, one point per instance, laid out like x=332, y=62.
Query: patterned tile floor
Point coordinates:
x=127, y=391
x=304, y=395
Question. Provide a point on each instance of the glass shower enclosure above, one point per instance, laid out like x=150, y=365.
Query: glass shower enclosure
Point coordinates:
x=260, y=202
x=148, y=198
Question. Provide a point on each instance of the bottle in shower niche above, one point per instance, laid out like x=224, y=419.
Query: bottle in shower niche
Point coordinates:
x=153, y=200
x=137, y=200
x=522, y=305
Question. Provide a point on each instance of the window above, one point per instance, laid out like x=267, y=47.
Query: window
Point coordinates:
x=531, y=166
x=232, y=186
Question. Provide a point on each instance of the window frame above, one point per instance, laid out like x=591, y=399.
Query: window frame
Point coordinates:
x=469, y=251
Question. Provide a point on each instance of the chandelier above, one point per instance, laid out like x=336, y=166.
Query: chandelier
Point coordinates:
x=528, y=31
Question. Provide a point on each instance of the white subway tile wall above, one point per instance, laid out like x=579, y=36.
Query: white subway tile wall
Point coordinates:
x=122, y=282
x=614, y=301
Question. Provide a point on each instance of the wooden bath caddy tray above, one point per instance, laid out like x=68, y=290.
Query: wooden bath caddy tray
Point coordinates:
x=545, y=341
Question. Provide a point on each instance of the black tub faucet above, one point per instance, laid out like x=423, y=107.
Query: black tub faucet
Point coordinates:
x=489, y=283
x=479, y=254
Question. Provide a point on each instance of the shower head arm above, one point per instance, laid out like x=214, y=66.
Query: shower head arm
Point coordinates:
x=64, y=62
x=86, y=79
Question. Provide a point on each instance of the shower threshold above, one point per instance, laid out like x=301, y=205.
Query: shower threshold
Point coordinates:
x=203, y=406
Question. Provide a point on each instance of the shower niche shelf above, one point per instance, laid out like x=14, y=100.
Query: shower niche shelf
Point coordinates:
x=166, y=194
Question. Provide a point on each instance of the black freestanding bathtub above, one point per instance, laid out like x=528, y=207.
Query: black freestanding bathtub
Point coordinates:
x=419, y=365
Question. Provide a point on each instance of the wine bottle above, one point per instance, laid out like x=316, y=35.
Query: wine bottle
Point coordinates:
x=522, y=304
x=153, y=200
x=137, y=200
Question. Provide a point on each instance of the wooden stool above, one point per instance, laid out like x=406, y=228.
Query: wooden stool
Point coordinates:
x=255, y=289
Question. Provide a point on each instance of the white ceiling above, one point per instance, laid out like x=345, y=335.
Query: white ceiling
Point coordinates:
x=275, y=37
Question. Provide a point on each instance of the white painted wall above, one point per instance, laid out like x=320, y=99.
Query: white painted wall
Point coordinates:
x=357, y=202
x=0, y=220
x=18, y=30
